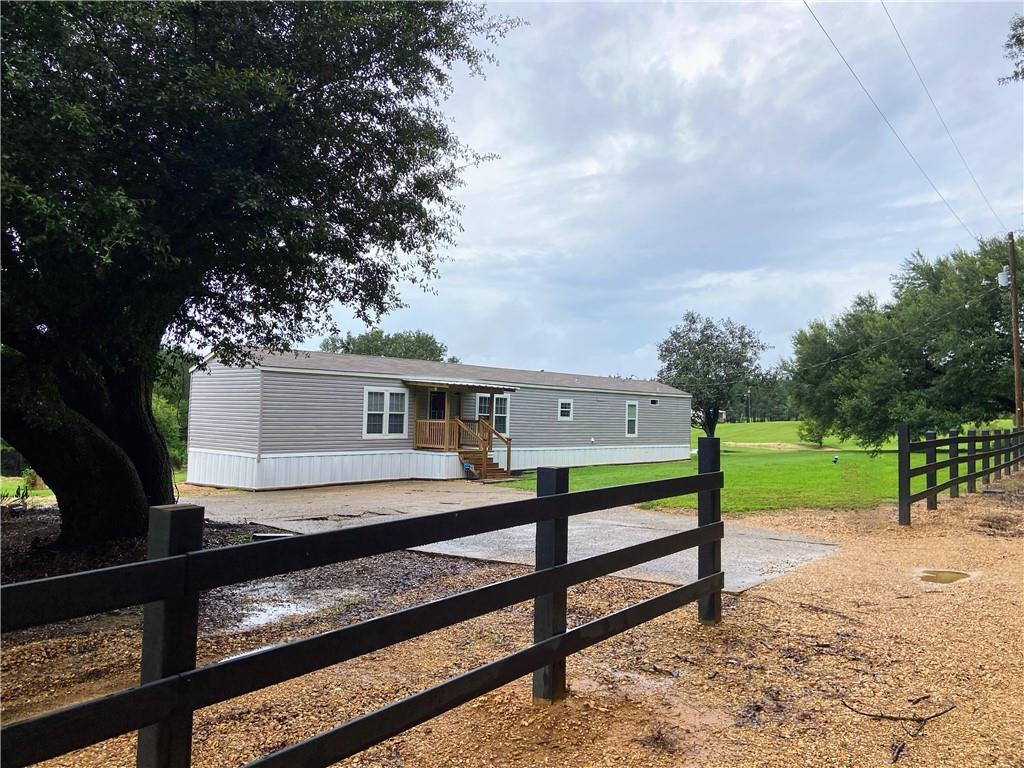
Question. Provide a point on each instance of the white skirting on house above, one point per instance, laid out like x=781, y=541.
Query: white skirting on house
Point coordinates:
x=585, y=455
x=296, y=470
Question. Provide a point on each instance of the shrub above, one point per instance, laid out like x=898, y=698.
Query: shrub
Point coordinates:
x=166, y=416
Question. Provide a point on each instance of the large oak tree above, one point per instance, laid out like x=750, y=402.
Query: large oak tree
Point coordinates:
x=715, y=361
x=213, y=174
x=937, y=354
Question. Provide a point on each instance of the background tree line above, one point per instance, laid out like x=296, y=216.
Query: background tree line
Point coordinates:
x=937, y=355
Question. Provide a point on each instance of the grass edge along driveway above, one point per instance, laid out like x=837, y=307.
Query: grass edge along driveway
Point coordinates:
x=758, y=479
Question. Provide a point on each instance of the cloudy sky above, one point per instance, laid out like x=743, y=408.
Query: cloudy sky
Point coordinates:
x=656, y=158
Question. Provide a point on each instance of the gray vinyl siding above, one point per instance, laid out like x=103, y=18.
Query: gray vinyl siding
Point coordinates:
x=224, y=409
x=305, y=412
x=317, y=413
x=533, y=419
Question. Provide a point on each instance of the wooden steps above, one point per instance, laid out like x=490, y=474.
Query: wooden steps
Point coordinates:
x=472, y=456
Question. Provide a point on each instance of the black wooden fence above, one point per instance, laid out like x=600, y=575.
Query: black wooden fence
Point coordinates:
x=988, y=455
x=169, y=583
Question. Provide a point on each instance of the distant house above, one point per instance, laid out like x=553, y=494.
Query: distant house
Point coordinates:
x=317, y=418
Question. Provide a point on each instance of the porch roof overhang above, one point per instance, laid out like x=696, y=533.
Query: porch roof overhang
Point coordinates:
x=456, y=385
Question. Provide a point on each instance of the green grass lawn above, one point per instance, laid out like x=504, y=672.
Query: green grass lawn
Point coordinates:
x=763, y=479
x=757, y=479
x=769, y=432
x=8, y=486
x=786, y=432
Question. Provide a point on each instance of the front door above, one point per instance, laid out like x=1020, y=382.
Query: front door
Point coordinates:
x=437, y=405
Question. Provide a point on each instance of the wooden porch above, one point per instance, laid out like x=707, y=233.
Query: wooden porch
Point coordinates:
x=444, y=429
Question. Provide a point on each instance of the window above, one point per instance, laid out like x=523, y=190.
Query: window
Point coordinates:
x=384, y=413
x=631, y=425
x=565, y=410
x=500, y=422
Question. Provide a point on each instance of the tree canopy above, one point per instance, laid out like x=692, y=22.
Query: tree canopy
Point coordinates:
x=415, y=345
x=213, y=174
x=713, y=361
x=1015, y=50
x=937, y=355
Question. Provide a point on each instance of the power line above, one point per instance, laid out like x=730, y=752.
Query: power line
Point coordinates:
x=888, y=123
x=899, y=336
x=941, y=119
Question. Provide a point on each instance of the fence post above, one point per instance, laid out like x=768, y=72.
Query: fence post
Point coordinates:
x=170, y=630
x=932, y=499
x=903, y=471
x=1002, y=452
x=552, y=548
x=709, y=510
x=998, y=458
x=972, y=465
x=985, y=445
x=954, y=467
x=1008, y=444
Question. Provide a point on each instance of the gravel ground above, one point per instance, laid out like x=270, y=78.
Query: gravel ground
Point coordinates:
x=766, y=687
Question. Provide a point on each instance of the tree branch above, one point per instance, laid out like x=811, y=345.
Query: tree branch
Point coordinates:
x=919, y=719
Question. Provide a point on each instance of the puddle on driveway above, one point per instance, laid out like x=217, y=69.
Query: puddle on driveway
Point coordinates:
x=263, y=603
x=931, y=576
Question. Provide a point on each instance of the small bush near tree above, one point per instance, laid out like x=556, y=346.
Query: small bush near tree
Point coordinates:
x=166, y=415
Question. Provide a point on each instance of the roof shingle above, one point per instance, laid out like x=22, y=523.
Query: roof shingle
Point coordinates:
x=403, y=368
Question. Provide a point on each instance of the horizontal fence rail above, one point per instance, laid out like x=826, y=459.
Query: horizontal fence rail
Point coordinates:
x=997, y=452
x=60, y=598
x=172, y=688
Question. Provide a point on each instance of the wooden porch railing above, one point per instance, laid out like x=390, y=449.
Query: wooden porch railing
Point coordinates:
x=491, y=433
x=481, y=444
x=454, y=434
x=435, y=433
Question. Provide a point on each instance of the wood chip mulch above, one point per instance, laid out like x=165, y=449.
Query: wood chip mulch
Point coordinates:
x=797, y=674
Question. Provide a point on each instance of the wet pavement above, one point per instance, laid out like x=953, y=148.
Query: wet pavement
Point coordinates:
x=312, y=510
x=750, y=555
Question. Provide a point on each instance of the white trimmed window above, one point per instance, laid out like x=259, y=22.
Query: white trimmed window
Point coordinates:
x=631, y=418
x=384, y=412
x=500, y=419
x=483, y=406
x=565, y=412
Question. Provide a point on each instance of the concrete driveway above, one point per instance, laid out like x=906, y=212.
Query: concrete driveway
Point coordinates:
x=750, y=556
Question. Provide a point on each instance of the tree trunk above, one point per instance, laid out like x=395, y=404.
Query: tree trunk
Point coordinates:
x=135, y=431
x=120, y=403
x=711, y=421
x=98, y=490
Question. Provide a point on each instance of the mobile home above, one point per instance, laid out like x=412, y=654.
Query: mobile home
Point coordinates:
x=318, y=418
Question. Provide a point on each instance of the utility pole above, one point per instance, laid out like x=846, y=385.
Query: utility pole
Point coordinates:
x=1018, y=395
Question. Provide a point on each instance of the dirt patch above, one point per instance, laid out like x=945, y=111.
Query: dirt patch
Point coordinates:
x=767, y=687
x=29, y=549
x=777, y=446
x=191, y=491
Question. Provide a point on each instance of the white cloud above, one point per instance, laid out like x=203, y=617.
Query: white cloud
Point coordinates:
x=657, y=158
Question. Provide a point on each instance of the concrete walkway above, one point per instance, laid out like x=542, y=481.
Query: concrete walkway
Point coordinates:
x=750, y=556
